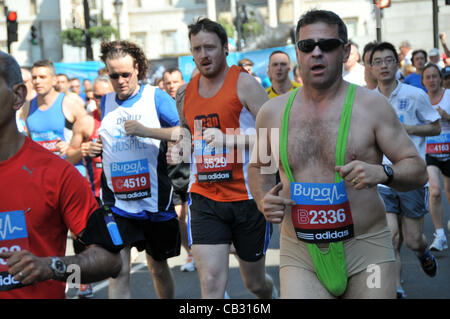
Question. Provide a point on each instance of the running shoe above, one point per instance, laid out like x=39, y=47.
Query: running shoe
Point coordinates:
x=429, y=264
x=189, y=266
x=439, y=243
x=85, y=291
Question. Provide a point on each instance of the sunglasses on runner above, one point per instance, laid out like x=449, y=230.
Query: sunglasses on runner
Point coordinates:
x=326, y=45
x=98, y=96
x=115, y=76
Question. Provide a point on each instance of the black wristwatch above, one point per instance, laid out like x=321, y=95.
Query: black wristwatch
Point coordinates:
x=389, y=172
x=59, y=268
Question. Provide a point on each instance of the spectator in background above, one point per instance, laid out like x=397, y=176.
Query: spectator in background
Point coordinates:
x=446, y=77
x=419, y=59
x=87, y=85
x=278, y=72
x=172, y=79
x=247, y=64
x=435, y=58
x=63, y=86
x=75, y=87
x=353, y=71
x=296, y=74
x=369, y=77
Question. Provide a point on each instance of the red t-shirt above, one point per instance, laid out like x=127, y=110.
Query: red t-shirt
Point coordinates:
x=42, y=196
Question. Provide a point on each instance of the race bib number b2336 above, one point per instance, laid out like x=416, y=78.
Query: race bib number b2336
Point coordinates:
x=131, y=180
x=13, y=237
x=322, y=213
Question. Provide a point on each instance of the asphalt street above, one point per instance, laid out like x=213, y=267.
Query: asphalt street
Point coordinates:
x=416, y=283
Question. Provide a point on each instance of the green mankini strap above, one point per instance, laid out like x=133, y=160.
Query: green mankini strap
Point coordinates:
x=330, y=266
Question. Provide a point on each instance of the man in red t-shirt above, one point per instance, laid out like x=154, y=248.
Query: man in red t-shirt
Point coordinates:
x=43, y=196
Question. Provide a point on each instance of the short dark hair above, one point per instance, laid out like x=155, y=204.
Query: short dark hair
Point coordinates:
x=64, y=75
x=120, y=49
x=328, y=17
x=368, y=48
x=171, y=70
x=279, y=51
x=46, y=64
x=10, y=70
x=207, y=25
x=431, y=65
x=384, y=46
x=415, y=52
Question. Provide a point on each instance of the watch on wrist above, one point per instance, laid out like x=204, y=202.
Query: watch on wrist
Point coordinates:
x=58, y=268
x=389, y=172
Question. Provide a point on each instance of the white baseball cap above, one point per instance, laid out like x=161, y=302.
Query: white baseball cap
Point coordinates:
x=433, y=52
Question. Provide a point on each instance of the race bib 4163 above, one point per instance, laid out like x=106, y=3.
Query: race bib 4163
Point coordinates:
x=322, y=213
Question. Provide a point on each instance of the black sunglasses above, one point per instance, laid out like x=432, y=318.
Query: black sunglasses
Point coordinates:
x=98, y=96
x=326, y=45
x=115, y=76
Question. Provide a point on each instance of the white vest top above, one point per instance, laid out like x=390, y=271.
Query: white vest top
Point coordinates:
x=129, y=162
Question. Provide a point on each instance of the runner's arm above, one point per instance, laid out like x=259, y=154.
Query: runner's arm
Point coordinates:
x=429, y=129
x=80, y=134
x=262, y=171
x=393, y=141
x=95, y=264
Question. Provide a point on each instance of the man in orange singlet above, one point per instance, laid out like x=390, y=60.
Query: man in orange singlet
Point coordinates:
x=219, y=107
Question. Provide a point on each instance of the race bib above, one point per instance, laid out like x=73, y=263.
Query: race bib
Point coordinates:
x=212, y=164
x=13, y=237
x=322, y=213
x=438, y=144
x=131, y=180
x=48, y=140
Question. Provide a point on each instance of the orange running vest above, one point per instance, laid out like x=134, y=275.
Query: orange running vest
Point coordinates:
x=220, y=179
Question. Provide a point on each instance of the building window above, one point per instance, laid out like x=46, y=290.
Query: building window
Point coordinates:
x=169, y=41
x=352, y=27
x=140, y=39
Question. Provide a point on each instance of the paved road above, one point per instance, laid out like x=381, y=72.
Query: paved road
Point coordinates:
x=416, y=283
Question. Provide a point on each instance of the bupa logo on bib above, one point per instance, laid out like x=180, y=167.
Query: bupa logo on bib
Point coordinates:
x=13, y=237
x=131, y=180
x=322, y=213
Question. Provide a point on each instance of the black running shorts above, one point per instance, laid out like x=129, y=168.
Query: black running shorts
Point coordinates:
x=240, y=223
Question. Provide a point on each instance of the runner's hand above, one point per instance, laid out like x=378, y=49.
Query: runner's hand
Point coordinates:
x=133, y=127
x=174, y=153
x=273, y=205
x=361, y=175
x=214, y=137
x=26, y=267
x=91, y=149
x=62, y=147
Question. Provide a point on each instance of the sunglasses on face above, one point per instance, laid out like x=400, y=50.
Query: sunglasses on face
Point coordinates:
x=116, y=76
x=326, y=45
x=98, y=96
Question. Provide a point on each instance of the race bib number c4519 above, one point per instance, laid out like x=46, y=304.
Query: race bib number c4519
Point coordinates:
x=322, y=213
x=13, y=237
x=131, y=180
